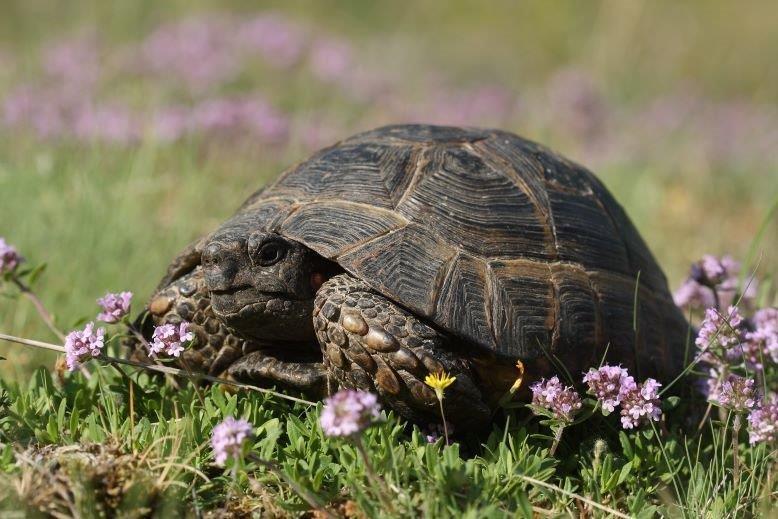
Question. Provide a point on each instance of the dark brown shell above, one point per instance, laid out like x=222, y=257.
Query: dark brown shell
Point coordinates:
x=493, y=238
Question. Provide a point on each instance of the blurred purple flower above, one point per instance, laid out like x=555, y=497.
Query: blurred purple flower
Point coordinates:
x=280, y=41
x=763, y=421
x=115, y=306
x=254, y=115
x=195, y=50
x=106, y=123
x=9, y=257
x=170, y=339
x=608, y=384
x=641, y=404
x=562, y=401
x=44, y=112
x=81, y=345
x=766, y=319
x=74, y=63
x=736, y=393
x=692, y=294
x=349, y=412
x=228, y=437
x=330, y=58
x=576, y=102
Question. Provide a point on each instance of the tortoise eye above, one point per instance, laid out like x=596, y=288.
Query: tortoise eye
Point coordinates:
x=270, y=253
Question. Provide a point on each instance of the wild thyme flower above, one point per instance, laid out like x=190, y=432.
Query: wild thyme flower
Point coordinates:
x=641, y=404
x=766, y=318
x=9, y=257
x=736, y=393
x=719, y=331
x=170, y=339
x=435, y=431
x=757, y=346
x=81, y=345
x=692, y=294
x=115, y=306
x=765, y=334
x=562, y=401
x=608, y=383
x=228, y=437
x=439, y=382
x=713, y=282
x=349, y=412
x=763, y=421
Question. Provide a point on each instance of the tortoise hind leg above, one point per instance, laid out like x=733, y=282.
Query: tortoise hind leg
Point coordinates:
x=370, y=343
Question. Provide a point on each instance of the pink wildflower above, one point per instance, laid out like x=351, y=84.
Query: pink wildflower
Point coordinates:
x=115, y=306
x=170, y=339
x=83, y=345
x=608, y=383
x=736, y=393
x=719, y=331
x=228, y=437
x=641, y=404
x=9, y=257
x=692, y=294
x=763, y=421
x=562, y=401
x=348, y=412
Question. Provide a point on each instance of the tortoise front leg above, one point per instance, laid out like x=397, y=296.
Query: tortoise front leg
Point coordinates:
x=370, y=343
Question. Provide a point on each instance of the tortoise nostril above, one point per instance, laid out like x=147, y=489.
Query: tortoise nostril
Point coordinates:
x=211, y=255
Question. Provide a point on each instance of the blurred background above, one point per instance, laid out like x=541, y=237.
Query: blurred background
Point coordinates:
x=129, y=128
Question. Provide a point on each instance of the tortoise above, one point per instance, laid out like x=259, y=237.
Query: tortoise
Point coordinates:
x=414, y=249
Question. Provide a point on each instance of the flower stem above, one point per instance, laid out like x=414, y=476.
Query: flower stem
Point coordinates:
x=557, y=438
x=443, y=417
x=39, y=307
x=735, y=445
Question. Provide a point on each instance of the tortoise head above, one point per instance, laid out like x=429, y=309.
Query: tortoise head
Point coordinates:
x=262, y=285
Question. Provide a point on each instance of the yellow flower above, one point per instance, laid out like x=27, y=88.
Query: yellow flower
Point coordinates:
x=439, y=382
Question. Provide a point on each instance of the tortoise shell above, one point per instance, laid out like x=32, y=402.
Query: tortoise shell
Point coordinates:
x=494, y=239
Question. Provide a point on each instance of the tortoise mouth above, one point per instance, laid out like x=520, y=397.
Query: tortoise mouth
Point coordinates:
x=242, y=300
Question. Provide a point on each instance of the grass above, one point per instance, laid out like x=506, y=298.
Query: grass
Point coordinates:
x=110, y=217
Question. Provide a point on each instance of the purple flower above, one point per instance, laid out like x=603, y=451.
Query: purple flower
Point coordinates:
x=348, y=412
x=716, y=271
x=719, y=331
x=330, y=58
x=763, y=421
x=435, y=431
x=196, y=51
x=562, y=401
x=608, y=383
x=736, y=393
x=758, y=345
x=81, y=345
x=115, y=306
x=9, y=257
x=278, y=40
x=766, y=318
x=713, y=281
x=228, y=437
x=692, y=294
x=170, y=339
x=641, y=404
